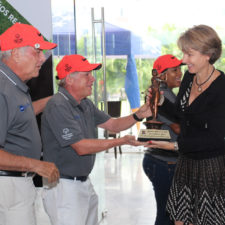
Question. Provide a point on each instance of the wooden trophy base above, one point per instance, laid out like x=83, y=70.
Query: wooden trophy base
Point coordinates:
x=153, y=132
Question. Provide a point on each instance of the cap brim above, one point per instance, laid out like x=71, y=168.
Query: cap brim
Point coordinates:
x=177, y=64
x=89, y=67
x=45, y=45
x=98, y=66
x=180, y=63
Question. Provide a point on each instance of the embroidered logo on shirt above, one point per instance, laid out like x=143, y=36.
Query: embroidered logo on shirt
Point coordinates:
x=76, y=117
x=67, y=135
x=23, y=107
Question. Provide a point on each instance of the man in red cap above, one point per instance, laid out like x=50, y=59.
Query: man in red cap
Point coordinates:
x=159, y=164
x=69, y=124
x=21, y=58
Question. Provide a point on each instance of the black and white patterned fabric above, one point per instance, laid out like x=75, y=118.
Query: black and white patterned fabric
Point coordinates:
x=197, y=195
x=185, y=98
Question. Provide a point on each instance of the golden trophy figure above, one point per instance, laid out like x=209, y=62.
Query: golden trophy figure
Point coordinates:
x=154, y=131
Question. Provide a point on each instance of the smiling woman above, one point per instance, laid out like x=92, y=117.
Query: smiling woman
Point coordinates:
x=198, y=189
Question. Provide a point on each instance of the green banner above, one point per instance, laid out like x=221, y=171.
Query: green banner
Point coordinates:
x=9, y=15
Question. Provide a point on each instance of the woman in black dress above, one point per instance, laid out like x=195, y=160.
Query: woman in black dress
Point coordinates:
x=197, y=195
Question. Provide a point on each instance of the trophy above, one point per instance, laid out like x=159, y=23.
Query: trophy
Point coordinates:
x=154, y=131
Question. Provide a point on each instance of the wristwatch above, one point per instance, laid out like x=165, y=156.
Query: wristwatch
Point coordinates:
x=136, y=118
x=176, y=148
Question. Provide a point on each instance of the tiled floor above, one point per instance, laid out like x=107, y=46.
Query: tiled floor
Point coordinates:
x=129, y=198
x=129, y=195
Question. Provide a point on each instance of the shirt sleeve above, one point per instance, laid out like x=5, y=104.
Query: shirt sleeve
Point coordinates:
x=99, y=115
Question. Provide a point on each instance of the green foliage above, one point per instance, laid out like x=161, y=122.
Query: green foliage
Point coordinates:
x=55, y=62
x=220, y=64
x=144, y=70
x=115, y=75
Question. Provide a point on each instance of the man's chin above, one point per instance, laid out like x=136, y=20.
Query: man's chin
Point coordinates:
x=36, y=74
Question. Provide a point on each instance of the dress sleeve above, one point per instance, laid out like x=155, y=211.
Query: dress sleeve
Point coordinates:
x=169, y=110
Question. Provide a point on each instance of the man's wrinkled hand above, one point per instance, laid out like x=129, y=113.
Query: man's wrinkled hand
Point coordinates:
x=47, y=170
x=131, y=140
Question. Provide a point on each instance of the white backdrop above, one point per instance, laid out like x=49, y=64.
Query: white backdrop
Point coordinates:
x=38, y=13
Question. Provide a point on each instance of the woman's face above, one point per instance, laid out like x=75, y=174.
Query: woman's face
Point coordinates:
x=173, y=77
x=195, y=61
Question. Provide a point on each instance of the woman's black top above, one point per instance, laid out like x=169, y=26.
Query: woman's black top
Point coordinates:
x=203, y=122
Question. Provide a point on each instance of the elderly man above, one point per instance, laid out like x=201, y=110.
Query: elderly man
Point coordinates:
x=69, y=125
x=21, y=58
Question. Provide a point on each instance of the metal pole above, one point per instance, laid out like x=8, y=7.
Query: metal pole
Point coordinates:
x=104, y=60
x=102, y=21
x=94, y=51
x=75, y=27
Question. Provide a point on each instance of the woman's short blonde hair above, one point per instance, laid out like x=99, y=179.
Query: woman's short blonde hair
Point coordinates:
x=201, y=38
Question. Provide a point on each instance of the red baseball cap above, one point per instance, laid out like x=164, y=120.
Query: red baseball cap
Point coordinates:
x=20, y=35
x=166, y=61
x=74, y=63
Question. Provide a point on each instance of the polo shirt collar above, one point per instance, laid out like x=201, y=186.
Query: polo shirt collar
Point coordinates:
x=12, y=77
x=68, y=96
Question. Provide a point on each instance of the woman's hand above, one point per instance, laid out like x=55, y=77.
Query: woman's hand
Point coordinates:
x=160, y=144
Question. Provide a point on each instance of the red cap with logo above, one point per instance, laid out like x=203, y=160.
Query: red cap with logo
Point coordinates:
x=20, y=35
x=165, y=62
x=75, y=63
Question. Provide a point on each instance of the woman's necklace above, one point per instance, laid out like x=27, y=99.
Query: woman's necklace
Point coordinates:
x=200, y=85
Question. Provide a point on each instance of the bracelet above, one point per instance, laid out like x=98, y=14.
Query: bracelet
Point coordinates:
x=176, y=148
x=136, y=118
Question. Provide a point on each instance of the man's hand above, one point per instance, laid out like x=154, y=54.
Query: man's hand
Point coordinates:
x=144, y=111
x=131, y=140
x=149, y=96
x=47, y=170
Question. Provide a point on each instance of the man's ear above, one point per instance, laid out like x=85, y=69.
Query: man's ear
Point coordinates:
x=69, y=79
x=15, y=54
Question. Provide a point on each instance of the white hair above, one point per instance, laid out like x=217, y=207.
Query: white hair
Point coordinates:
x=7, y=54
x=62, y=83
